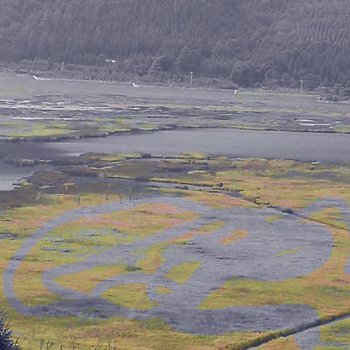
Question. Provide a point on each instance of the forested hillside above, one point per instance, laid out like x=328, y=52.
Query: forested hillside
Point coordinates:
x=247, y=42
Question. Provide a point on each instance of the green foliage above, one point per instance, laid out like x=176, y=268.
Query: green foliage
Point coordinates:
x=6, y=339
x=276, y=42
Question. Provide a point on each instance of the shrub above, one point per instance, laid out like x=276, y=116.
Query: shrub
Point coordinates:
x=6, y=337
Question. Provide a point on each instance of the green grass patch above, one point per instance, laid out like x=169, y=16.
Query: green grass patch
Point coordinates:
x=183, y=272
x=274, y=218
x=85, y=281
x=132, y=296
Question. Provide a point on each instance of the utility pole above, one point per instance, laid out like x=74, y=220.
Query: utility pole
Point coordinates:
x=301, y=87
x=191, y=81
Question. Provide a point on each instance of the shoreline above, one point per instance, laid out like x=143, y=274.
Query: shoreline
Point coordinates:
x=48, y=139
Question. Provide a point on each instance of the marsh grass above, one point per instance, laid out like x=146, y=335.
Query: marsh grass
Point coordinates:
x=325, y=289
x=183, y=272
x=133, y=296
x=234, y=237
x=85, y=281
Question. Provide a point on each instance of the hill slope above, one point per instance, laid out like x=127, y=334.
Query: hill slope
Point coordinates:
x=247, y=41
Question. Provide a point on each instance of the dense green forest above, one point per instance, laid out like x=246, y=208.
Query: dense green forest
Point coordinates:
x=247, y=42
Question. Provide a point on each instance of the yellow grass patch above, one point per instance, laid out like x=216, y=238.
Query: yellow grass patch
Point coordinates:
x=140, y=222
x=219, y=200
x=85, y=281
x=203, y=230
x=234, y=237
x=288, y=252
x=274, y=218
x=132, y=296
x=335, y=333
x=289, y=343
x=67, y=245
x=8, y=249
x=163, y=290
x=25, y=220
x=285, y=192
x=28, y=284
x=153, y=259
x=330, y=216
x=182, y=272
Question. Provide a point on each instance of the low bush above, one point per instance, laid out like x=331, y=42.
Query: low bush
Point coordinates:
x=7, y=342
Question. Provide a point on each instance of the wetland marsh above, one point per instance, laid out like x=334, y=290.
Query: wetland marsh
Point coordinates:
x=182, y=230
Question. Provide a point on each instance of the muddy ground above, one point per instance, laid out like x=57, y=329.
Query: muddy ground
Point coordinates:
x=54, y=109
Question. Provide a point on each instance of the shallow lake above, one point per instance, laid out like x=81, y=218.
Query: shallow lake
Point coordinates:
x=233, y=143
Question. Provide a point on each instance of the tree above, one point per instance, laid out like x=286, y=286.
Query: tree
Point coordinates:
x=189, y=61
x=161, y=64
x=212, y=38
x=6, y=338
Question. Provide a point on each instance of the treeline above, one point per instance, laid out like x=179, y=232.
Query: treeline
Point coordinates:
x=248, y=42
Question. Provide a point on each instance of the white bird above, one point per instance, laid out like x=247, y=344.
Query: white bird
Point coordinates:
x=135, y=85
x=38, y=78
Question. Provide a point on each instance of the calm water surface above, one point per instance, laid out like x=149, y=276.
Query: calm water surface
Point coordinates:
x=234, y=143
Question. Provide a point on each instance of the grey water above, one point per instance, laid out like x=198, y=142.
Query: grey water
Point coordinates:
x=234, y=143
x=228, y=142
